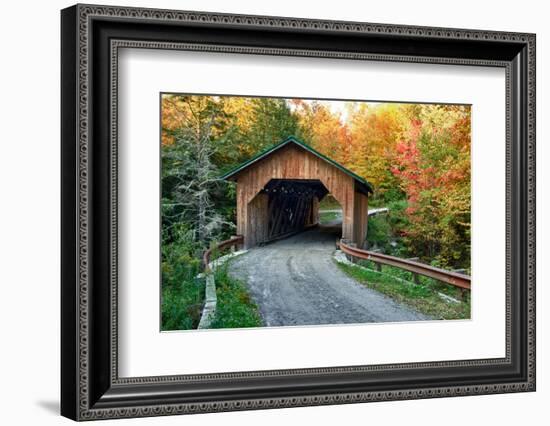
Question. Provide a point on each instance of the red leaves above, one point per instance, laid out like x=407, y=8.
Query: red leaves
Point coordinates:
x=432, y=165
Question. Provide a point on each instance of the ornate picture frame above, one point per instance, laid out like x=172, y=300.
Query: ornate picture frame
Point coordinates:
x=91, y=37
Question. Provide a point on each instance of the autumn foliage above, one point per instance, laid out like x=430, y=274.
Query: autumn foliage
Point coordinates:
x=417, y=157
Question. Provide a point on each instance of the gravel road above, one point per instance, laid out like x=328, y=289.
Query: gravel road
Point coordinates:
x=296, y=282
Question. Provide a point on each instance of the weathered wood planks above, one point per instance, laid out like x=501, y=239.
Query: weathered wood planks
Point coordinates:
x=259, y=218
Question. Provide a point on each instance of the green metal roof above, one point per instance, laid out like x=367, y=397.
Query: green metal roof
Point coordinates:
x=293, y=140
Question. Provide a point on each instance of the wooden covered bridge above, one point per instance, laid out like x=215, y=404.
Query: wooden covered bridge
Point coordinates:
x=279, y=190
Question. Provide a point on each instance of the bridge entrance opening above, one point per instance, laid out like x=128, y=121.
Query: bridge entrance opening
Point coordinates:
x=292, y=205
x=330, y=211
x=284, y=207
x=279, y=190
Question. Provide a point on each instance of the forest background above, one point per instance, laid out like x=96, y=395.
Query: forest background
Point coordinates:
x=416, y=156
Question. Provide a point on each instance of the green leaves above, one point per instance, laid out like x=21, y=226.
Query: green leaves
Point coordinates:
x=182, y=291
x=400, y=286
x=416, y=155
x=235, y=308
x=432, y=163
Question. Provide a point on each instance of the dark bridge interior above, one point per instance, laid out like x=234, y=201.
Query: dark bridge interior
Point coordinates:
x=293, y=204
x=279, y=190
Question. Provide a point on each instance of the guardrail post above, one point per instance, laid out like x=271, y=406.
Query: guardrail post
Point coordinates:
x=347, y=242
x=239, y=245
x=377, y=265
x=235, y=246
x=351, y=258
x=448, y=277
x=416, y=277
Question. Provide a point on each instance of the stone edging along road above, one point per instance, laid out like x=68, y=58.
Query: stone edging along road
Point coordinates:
x=210, y=298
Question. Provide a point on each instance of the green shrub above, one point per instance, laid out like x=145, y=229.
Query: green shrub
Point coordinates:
x=182, y=292
x=400, y=286
x=234, y=308
x=379, y=231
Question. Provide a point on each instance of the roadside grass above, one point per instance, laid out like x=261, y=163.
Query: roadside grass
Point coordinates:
x=234, y=308
x=400, y=286
x=182, y=299
x=325, y=217
x=183, y=292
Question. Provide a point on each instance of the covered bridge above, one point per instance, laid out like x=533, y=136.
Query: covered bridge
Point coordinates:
x=279, y=190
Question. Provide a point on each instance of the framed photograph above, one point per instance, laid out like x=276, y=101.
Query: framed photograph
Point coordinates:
x=263, y=212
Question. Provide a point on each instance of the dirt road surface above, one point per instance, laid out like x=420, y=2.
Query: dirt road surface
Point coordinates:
x=296, y=282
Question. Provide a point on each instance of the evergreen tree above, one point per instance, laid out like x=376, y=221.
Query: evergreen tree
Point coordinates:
x=190, y=179
x=273, y=122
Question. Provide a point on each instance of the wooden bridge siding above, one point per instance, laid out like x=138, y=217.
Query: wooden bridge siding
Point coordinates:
x=291, y=162
x=360, y=218
x=314, y=212
x=258, y=218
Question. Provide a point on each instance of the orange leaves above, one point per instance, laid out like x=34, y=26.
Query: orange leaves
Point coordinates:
x=322, y=125
x=375, y=130
x=413, y=154
x=432, y=164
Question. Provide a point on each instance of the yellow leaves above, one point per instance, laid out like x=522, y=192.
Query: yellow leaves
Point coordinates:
x=324, y=129
x=174, y=113
x=241, y=110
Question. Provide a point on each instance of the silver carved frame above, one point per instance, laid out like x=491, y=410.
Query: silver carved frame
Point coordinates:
x=85, y=408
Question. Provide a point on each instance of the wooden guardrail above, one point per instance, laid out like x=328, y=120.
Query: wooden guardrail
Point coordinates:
x=233, y=241
x=454, y=278
x=210, y=298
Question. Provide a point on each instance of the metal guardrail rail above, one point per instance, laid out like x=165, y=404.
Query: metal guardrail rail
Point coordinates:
x=454, y=278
